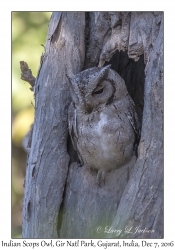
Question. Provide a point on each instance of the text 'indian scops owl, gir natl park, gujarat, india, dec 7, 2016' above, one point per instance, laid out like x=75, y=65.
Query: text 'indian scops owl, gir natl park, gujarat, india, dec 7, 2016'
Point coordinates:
x=103, y=123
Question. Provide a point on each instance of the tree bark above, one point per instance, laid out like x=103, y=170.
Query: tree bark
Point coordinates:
x=48, y=159
x=62, y=198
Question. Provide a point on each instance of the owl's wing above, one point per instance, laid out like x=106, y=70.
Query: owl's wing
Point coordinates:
x=73, y=125
x=133, y=118
x=72, y=120
x=134, y=121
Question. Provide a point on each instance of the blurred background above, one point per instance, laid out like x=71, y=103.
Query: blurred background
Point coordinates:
x=29, y=30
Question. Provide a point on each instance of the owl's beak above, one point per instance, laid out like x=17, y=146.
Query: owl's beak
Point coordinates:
x=88, y=108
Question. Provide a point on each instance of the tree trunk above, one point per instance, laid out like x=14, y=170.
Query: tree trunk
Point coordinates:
x=62, y=198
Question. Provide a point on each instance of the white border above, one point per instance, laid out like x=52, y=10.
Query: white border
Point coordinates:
x=5, y=94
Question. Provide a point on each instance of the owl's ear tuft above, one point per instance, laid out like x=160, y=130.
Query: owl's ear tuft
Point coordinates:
x=107, y=67
x=101, y=75
x=104, y=71
x=73, y=95
x=69, y=74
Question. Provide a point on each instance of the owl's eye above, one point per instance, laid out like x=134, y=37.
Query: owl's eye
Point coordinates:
x=99, y=91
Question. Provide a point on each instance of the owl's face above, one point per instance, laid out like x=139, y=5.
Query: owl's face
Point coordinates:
x=93, y=87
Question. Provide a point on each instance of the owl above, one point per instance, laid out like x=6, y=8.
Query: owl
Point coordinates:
x=103, y=123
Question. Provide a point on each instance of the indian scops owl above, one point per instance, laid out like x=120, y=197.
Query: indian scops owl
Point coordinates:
x=103, y=122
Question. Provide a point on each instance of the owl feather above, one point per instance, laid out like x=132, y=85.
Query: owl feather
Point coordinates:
x=103, y=122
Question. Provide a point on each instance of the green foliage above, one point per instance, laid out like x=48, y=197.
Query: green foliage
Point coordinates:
x=29, y=30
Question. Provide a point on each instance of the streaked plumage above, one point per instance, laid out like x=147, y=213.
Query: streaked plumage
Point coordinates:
x=103, y=122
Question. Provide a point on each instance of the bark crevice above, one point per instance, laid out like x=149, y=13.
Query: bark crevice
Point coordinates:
x=133, y=72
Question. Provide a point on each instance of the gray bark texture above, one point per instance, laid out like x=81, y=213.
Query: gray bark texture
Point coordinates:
x=62, y=199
